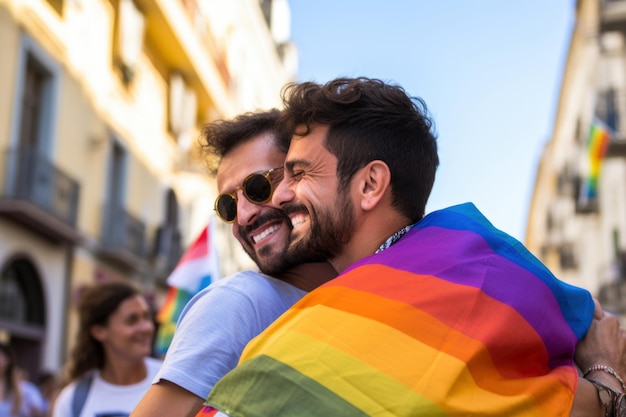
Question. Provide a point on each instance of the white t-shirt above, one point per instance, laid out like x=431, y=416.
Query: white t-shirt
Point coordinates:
x=218, y=323
x=105, y=399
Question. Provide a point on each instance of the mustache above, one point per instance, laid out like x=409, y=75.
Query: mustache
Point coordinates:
x=273, y=215
x=293, y=208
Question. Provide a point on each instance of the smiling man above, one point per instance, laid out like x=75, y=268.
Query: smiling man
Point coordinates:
x=218, y=322
x=433, y=315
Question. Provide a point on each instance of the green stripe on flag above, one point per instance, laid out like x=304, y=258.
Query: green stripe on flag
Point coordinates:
x=277, y=387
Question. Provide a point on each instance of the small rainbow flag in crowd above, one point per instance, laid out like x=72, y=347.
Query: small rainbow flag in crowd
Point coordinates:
x=599, y=137
x=455, y=319
x=197, y=268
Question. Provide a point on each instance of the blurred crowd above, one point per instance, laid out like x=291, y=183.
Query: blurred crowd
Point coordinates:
x=111, y=360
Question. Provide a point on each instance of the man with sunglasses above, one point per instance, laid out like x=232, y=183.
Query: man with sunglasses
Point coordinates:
x=218, y=322
x=448, y=317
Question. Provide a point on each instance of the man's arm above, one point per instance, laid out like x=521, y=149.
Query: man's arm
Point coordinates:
x=586, y=401
x=166, y=399
x=203, y=349
x=212, y=331
x=604, y=344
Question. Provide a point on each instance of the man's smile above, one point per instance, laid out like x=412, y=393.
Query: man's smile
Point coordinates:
x=264, y=232
x=297, y=219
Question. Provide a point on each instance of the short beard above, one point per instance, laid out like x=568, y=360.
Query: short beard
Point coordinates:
x=273, y=264
x=270, y=261
x=331, y=229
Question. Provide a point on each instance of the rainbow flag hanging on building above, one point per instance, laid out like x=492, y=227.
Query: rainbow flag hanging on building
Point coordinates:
x=457, y=318
x=599, y=138
x=197, y=268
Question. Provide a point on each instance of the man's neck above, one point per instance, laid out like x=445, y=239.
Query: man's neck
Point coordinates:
x=369, y=234
x=309, y=276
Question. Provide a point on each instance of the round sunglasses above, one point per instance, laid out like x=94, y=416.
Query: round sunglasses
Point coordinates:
x=257, y=188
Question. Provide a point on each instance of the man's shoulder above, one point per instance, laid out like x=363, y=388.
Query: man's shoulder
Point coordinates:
x=249, y=283
x=245, y=275
x=242, y=279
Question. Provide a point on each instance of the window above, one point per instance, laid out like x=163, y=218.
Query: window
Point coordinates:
x=23, y=311
x=129, y=39
x=35, y=80
x=117, y=176
x=606, y=109
x=21, y=296
x=35, y=99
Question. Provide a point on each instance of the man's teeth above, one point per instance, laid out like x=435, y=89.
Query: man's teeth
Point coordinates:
x=265, y=233
x=298, y=220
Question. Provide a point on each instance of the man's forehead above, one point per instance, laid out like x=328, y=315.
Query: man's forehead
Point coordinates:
x=245, y=159
x=311, y=144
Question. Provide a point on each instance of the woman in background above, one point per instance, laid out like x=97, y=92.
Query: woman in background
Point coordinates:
x=17, y=399
x=110, y=368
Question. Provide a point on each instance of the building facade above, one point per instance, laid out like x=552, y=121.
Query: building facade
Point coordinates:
x=101, y=102
x=577, y=216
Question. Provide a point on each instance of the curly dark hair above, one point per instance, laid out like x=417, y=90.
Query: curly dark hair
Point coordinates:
x=97, y=304
x=221, y=136
x=369, y=119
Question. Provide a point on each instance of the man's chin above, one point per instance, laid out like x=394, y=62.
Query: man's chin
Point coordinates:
x=298, y=237
x=274, y=267
x=270, y=262
x=303, y=251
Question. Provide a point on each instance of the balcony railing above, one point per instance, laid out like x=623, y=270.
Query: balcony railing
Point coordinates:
x=39, y=195
x=33, y=178
x=123, y=235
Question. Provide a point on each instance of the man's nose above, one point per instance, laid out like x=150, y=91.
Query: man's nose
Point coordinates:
x=247, y=212
x=282, y=193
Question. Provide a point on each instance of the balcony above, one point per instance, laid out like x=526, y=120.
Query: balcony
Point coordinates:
x=185, y=44
x=123, y=239
x=612, y=296
x=39, y=196
x=609, y=110
x=616, y=148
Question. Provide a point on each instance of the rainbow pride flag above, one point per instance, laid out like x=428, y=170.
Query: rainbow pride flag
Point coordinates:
x=197, y=268
x=597, y=144
x=457, y=318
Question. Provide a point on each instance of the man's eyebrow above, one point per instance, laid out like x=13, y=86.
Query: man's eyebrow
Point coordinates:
x=290, y=164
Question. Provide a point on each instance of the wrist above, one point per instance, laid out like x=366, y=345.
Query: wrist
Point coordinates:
x=613, y=402
x=606, y=375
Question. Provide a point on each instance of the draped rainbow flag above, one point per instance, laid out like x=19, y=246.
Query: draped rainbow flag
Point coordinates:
x=456, y=318
x=197, y=268
x=597, y=144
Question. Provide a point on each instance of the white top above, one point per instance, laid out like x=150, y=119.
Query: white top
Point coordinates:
x=31, y=400
x=105, y=399
x=218, y=323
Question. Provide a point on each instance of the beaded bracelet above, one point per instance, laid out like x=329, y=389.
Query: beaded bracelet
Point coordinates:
x=608, y=370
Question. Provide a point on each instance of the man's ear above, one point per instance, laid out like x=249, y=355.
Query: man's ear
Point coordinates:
x=375, y=181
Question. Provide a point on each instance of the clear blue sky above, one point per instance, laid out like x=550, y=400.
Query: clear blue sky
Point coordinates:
x=489, y=70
